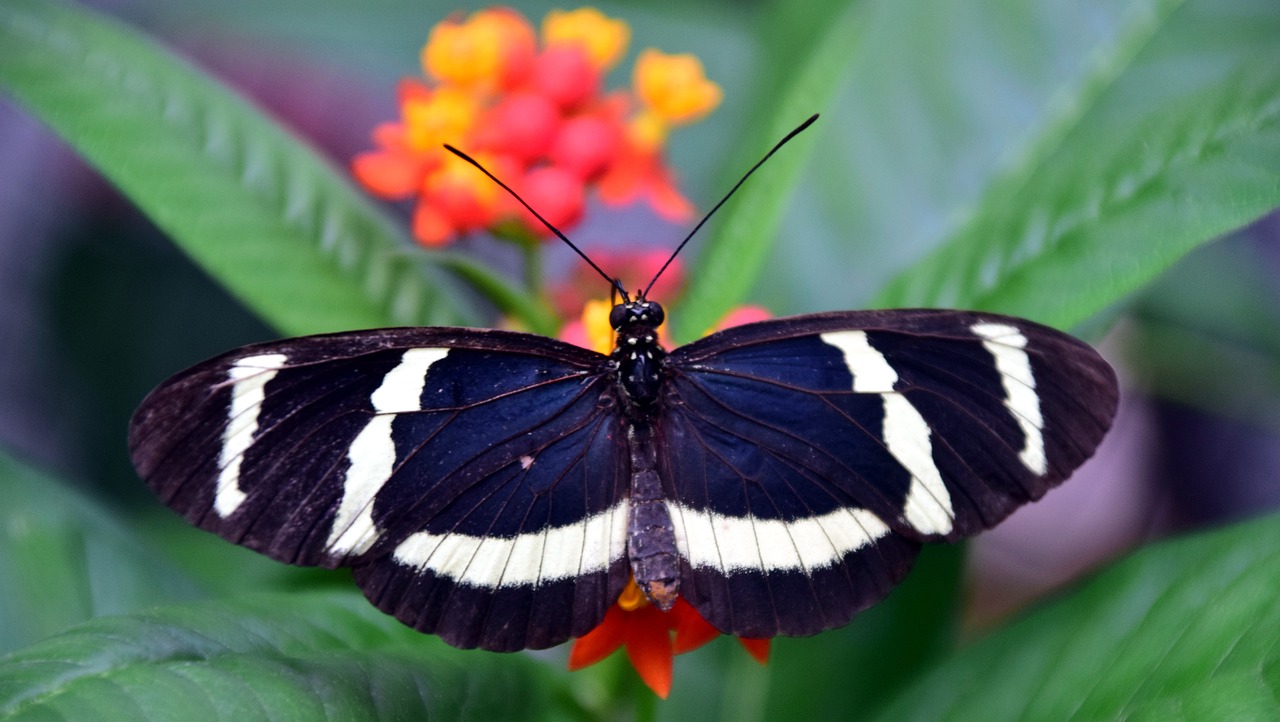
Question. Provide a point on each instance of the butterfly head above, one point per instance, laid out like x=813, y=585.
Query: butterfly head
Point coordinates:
x=638, y=316
x=638, y=353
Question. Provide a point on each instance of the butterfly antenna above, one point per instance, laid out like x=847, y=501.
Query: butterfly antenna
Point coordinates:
x=736, y=186
x=613, y=282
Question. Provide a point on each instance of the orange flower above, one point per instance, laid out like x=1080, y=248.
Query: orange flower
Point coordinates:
x=604, y=40
x=592, y=329
x=456, y=198
x=410, y=150
x=652, y=638
x=674, y=87
x=431, y=120
x=491, y=49
x=390, y=172
x=640, y=174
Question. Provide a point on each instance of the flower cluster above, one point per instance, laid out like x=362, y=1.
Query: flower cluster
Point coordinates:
x=533, y=111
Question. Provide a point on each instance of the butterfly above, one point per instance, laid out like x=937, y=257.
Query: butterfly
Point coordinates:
x=500, y=489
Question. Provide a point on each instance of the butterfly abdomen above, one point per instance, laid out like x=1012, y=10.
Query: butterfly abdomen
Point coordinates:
x=651, y=542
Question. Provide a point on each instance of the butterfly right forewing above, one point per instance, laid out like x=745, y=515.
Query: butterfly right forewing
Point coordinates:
x=807, y=457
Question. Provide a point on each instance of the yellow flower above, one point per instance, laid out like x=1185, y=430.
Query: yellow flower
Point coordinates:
x=674, y=87
x=603, y=39
x=595, y=321
x=647, y=131
x=491, y=49
x=445, y=116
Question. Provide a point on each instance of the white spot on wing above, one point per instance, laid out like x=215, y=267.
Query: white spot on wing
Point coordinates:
x=928, y=504
x=372, y=454
x=871, y=371
x=732, y=544
x=249, y=377
x=555, y=553
x=906, y=434
x=1008, y=347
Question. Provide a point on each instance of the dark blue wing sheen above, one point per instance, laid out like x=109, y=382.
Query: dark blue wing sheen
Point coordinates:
x=806, y=458
x=475, y=480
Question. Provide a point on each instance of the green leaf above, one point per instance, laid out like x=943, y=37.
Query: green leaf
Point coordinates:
x=1131, y=168
x=63, y=560
x=536, y=314
x=1185, y=629
x=253, y=205
x=732, y=259
x=271, y=657
x=1042, y=158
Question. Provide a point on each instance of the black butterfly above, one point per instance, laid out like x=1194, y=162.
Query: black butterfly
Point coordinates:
x=499, y=489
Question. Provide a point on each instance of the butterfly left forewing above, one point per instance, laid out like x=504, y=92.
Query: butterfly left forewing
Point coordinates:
x=806, y=457
x=475, y=480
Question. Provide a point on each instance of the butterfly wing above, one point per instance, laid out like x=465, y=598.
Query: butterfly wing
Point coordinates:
x=475, y=480
x=808, y=457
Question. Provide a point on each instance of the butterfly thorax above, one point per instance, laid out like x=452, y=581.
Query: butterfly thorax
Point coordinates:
x=637, y=351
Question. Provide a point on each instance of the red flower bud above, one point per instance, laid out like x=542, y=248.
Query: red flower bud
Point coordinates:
x=586, y=145
x=565, y=75
x=556, y=193
x=522, y=125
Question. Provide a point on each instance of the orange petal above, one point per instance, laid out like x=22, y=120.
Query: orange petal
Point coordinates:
x=515, y=39
x=411, y=89
x=491, y=48
x=461, y=53
x=390, y=136
x=674, y=86
x=603, y=39
x=692, y=631
x=431, y=227
x=757, y=648
x=445, y=118
x=595, y=323
x=649, y=648
x=667, y=201
x=600, y=642
x=388, y=174
x=620, y=185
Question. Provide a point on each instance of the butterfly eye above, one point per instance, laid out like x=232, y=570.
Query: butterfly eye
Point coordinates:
x=656, y=314
x=617, y=316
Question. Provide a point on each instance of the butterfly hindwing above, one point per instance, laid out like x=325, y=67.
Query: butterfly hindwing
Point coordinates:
x=805, y=458
x=475, y=480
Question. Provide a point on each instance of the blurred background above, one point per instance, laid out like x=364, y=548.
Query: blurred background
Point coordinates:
x=97, y=306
